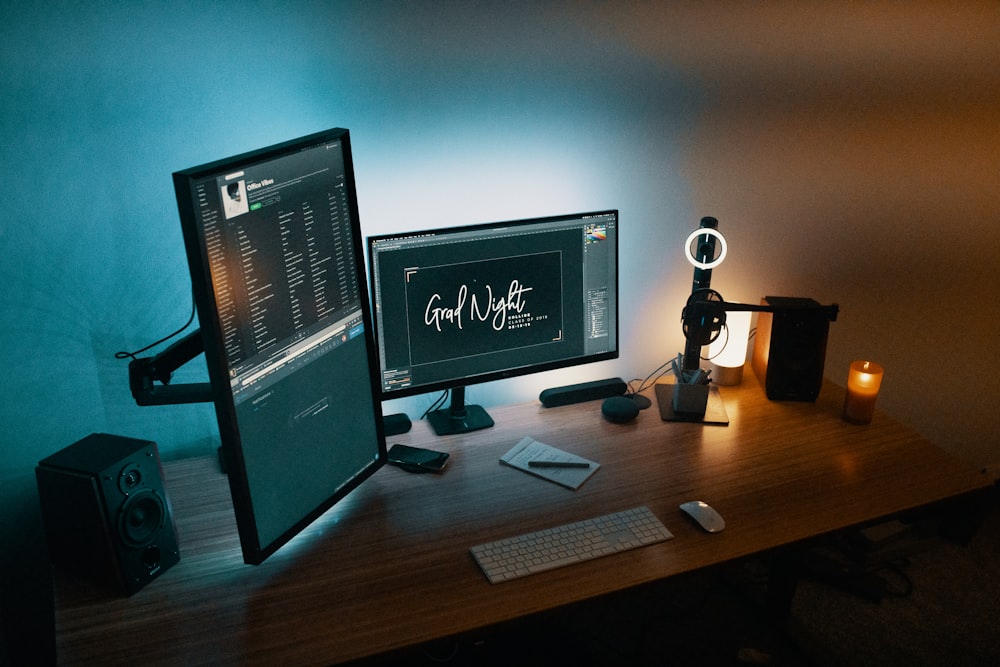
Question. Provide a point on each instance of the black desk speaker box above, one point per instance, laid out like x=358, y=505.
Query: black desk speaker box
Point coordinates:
x=107, y=516
x=579, y=393
x=789, y=350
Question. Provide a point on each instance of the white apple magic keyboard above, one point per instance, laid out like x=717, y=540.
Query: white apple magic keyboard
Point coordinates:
x=554, y=547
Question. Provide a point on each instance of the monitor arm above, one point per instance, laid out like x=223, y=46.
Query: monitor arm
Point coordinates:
x=145, y=372
x=704, y=315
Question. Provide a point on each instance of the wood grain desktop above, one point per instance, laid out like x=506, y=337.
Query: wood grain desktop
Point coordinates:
x=389, y=567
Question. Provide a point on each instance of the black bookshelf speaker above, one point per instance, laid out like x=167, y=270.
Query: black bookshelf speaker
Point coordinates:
x=789, y=351
x=106, y=512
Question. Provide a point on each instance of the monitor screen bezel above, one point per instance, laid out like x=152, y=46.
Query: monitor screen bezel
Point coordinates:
x=232, y=454
x=500, y=374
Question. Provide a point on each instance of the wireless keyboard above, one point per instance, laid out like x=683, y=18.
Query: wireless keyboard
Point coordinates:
x=576, y=542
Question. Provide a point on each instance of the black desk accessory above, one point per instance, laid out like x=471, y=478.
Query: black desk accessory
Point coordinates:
x=396, y=424
x=715, y=413
x=585, y=391
x=620, y=409
x=145, y=372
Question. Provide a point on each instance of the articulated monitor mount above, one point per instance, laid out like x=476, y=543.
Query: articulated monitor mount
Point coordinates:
x=149, y=377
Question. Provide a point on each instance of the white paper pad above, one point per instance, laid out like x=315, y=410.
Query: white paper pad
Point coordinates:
x=529, y=449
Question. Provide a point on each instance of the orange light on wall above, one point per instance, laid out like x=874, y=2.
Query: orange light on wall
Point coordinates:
x=863, y=382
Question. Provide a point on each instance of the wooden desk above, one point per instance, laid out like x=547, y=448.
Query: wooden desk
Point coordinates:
x=390, y=566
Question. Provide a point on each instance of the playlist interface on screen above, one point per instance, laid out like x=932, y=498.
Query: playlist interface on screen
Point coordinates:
x=278, y=242
x=284, y=263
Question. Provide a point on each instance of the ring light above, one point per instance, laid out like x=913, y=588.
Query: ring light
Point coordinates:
x=722, y=248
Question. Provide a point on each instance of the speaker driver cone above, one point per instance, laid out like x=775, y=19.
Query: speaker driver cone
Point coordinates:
x=141, y=518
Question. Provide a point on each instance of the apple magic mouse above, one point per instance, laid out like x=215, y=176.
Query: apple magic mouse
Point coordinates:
x=704, y=515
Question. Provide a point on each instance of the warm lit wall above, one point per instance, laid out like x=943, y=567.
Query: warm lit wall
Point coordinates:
x=849, y=151
x=852, y=153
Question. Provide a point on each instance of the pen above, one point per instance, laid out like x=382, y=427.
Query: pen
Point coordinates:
x=558, y=464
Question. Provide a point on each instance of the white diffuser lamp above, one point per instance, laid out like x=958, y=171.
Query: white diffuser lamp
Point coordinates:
x=728, y=352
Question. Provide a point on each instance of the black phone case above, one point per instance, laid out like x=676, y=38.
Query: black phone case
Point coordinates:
x=417, y=459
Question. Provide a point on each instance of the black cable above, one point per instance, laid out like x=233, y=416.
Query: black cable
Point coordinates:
x=661, y=369
x=642, y=385
x=438, y=402
x=132, y=355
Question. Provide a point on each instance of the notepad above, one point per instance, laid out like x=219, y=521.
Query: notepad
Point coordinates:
x=529, y=449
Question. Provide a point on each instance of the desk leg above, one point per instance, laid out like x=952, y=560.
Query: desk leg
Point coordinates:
x=783, y=569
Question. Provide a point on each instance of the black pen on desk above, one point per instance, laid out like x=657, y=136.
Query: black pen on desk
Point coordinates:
x=558, y=464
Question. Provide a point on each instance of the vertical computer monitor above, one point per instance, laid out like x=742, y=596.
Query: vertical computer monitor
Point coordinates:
x=277, y=265
x=464, y=305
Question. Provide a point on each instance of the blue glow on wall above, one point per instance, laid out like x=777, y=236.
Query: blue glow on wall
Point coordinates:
x=458, y=115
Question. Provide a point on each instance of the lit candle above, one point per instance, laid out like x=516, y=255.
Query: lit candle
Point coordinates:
x=863, y=382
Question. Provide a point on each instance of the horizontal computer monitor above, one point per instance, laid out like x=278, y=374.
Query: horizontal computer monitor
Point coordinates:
x=470, y=304
x=277, y=265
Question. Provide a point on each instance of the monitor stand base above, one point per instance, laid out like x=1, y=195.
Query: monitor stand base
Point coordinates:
x=450, y=422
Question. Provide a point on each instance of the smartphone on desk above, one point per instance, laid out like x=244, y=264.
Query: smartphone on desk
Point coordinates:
x=417, y=459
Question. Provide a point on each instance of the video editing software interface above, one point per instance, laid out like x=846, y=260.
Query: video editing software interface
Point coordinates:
x=469, y=304
x=275, y=247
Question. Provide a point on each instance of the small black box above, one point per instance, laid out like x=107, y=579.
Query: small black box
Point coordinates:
x=585, y=391
x=107, y=516
x=789, y=350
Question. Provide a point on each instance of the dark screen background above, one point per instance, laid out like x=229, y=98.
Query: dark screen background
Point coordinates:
x=550, y=262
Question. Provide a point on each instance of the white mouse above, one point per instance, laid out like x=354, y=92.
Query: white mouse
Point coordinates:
x=704, y=515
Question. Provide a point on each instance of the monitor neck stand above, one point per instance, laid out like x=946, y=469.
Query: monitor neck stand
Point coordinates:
x=459, y=417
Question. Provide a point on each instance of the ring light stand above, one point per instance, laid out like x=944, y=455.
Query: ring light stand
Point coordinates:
x=703, y=318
